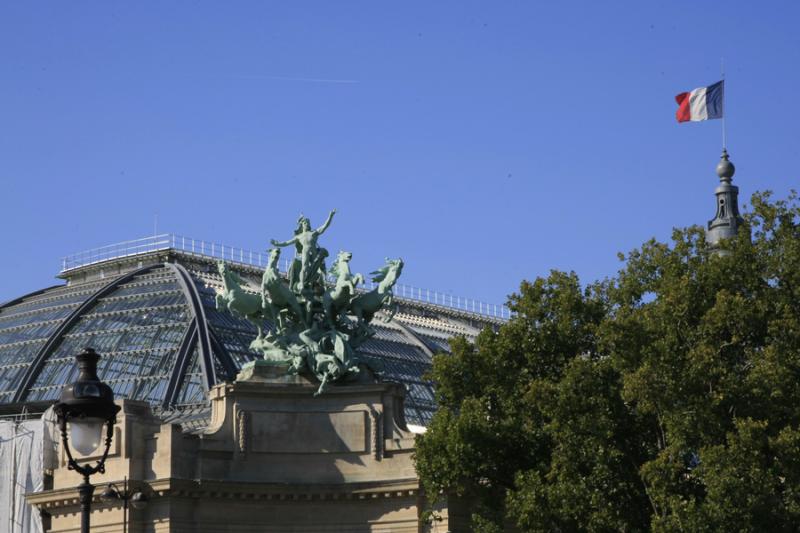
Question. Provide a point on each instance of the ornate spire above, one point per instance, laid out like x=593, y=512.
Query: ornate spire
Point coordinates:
x=725, y=224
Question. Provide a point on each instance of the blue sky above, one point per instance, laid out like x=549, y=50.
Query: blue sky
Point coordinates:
x=484, y=142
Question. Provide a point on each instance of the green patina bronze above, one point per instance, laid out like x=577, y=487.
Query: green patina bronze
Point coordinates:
x=318, y=316
x=236, y=301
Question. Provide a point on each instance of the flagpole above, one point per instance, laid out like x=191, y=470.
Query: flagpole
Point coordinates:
x=724, y=111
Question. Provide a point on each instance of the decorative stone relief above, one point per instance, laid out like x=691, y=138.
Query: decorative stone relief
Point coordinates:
x=242, y=429
x=376, y=427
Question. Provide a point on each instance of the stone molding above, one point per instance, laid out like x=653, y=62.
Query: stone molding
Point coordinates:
x=181, y=488
x=350, y=466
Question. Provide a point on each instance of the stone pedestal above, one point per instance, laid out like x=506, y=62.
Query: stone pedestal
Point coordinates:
x=273, y=458
x=268, y=372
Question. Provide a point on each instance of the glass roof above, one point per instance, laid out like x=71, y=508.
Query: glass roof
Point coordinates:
x=26, y=326
x=137, y=328
x=145, y=328
x=192, y=390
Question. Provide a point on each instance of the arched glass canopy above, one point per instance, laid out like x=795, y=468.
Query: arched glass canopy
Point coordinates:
x=163, y=341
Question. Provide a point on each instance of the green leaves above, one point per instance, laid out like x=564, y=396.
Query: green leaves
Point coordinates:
x=665, y=398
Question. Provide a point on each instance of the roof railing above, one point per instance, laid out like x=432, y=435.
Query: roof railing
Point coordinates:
x=167, y=241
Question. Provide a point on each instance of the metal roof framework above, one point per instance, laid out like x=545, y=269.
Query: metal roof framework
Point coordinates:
x=163, y=340
x=55, y=339
x=194, y=339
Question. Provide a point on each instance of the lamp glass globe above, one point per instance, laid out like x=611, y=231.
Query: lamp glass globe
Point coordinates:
x=86, y=435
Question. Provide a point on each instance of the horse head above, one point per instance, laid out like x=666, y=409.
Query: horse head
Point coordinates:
x=387, y=275
x=340, y=265
x=274, y=255
x=391, y=270
x=397, y=264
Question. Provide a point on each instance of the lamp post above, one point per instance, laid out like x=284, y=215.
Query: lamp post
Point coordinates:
x=86, y=405
x=137, y=499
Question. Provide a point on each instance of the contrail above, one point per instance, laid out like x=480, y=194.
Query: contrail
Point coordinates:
x=287, y=78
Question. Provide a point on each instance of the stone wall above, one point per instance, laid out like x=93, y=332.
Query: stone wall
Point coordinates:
x=273, y=458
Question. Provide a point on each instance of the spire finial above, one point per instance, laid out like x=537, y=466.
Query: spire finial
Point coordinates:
x=725, y=168
x=726, y=222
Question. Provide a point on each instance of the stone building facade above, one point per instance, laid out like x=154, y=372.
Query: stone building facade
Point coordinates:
x=215, y=449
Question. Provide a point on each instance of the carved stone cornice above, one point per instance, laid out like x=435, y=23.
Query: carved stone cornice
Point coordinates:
x=67, y=499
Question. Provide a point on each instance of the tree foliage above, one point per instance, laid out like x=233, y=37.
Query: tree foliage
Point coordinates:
x=666, y=398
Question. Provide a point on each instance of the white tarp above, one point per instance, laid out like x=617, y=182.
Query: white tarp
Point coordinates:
x=21, y=471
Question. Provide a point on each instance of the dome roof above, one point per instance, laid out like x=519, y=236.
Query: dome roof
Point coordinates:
x=153, y=319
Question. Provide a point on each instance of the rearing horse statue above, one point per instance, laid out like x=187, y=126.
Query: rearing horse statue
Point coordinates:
x=338, y=297
x=364, y=306
x=236, y=300
x=276, y=295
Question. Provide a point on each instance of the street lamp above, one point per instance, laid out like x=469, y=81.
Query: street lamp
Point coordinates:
x=137, y=499
x=85, y=407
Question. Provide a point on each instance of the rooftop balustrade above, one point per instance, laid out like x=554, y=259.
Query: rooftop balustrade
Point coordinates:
x=171, y=241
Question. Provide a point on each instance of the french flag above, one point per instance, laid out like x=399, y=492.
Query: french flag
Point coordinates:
x=701, y=104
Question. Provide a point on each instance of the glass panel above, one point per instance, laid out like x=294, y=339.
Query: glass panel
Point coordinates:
x=55, y=374
x=419, y=417
x=387, y=334
x=152, y=389
x=209, y=300
x=70, y=346
x=137, y=339
x=94, y=323
x=169, y=337
x=102, y=342
x=234, y=342
x=132, y=318
x=148, y=300
x=420, y=403
x=422, y=393
x=19, y=354
x=403, y=371
x=9, y=376
x=227, y=320
x=41, y=303
x=436, y=344
x=131, y=288
x=219, y=371
x=192, y=389
x=394, y=349
x=240, y=358
x=32, y=332
x=11, y=320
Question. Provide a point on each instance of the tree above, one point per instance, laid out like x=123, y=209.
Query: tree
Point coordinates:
x=666, y=398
